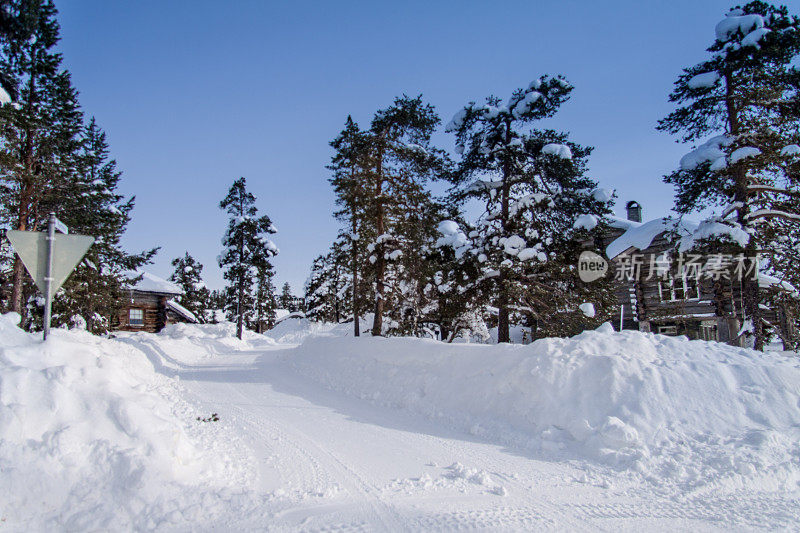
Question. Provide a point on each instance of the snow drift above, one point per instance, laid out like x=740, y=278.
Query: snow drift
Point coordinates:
x=666, y=407
x=92, y=438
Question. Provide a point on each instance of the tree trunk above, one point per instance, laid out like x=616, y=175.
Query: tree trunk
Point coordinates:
x=750, y=288
x=503, y=333
x=377, y=323
x=356, y=314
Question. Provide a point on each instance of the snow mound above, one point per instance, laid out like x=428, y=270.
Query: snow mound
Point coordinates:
x=92, y=438
x=666, y=407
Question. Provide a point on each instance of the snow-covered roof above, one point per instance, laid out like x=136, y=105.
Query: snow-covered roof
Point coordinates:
x=767, y=281
x=181, y=310
x=152, y=283
x=641, y=236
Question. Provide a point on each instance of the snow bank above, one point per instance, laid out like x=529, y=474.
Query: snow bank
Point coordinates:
x=92, y=438
x=689, y=411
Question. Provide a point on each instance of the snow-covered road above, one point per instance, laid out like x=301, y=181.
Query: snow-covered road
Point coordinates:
x=333, y=463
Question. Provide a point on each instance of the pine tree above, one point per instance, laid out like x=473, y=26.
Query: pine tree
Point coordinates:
x=92, y=206
x=286, y=298
x=246, y=254
x=39, y=131
x=402, y=162
x=188, y=276
x=539, y=205
x=265, y=302
x=328, y=285
x=350, y=166
x=746, y=97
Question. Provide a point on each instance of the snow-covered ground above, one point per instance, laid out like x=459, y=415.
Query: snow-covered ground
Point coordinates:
x=320, y=431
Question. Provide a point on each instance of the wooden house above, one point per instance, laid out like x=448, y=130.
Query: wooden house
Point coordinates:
x=150, y=304
x=653, y=297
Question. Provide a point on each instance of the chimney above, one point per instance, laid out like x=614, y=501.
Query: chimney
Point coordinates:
x=634, y=211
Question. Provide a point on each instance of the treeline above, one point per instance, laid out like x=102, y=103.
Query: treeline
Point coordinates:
x=55, y=159
x=421, y=265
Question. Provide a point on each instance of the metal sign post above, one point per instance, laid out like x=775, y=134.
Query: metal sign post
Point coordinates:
x=48, y=273
x=49, y=258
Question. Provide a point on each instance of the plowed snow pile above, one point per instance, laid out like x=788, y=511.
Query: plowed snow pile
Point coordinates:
x=677, y=411
x=92, y=438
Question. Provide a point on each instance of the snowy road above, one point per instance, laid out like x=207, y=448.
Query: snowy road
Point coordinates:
x=328, y=462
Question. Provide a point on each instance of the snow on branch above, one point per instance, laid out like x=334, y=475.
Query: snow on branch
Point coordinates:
x=772, y=213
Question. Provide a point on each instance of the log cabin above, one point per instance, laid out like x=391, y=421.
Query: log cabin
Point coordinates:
x=652, y=297
x=150, y=304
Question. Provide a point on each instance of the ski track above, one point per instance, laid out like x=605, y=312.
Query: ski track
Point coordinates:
x=332, y=463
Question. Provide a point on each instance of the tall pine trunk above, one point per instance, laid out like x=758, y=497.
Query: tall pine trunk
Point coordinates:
x=750, y=288
x=380, y=274
x=503, y=327
x=356, y=314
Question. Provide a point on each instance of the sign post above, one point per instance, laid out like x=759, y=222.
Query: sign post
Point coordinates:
x=49, y=258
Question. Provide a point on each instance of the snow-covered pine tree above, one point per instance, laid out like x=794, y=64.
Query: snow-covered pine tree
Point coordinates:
x=286, y=299
x=456, y=296
x=91, y=205
x=540, y=206
x=399, y=206
x=350, y=167
x=329, y=285
x=265, y=301
x=246, y=254
x=39, y=130
x=188, y=275
x=745, y=97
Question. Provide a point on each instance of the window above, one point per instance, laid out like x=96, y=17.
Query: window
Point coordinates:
x=708, y=332
x=684, y=288
x=668, y=330
x=136, y=317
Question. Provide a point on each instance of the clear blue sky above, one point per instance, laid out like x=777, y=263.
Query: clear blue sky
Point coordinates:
x=194, y=94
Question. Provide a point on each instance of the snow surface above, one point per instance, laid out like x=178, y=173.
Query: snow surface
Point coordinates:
x=641, y=236
x=605, y=430
x=181, y=310
x=743, y=153
x=152, y=283
x=791, y=149
x=5, y=98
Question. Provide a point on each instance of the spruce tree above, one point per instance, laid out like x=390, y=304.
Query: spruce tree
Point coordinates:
x=39, y=130
x=745, y=97
x=188, y=276
x=91, y=205
x=540, y=206
x=246, y=254
x=286, y=298
x=264, y=299
x=328, y=285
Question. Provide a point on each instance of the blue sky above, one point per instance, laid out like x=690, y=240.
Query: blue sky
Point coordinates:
x=195, y=94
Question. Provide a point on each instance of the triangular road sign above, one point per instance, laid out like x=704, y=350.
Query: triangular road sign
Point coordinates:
x=68, y=250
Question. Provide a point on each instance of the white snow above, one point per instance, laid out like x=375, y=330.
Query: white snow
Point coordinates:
x=588, y=222
x=752, y=38
x=587, y=309
x=627, y=430
x=743, y=153
x=640, y=236
x=181, y=310
x=92, y=438
x=152, y=283
x=791, y=149
x=603, y=195
x=710, y=151
x=559, y=150
x=728, y=26
x=708, y=229
x=5, y=98
x=704, y=80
